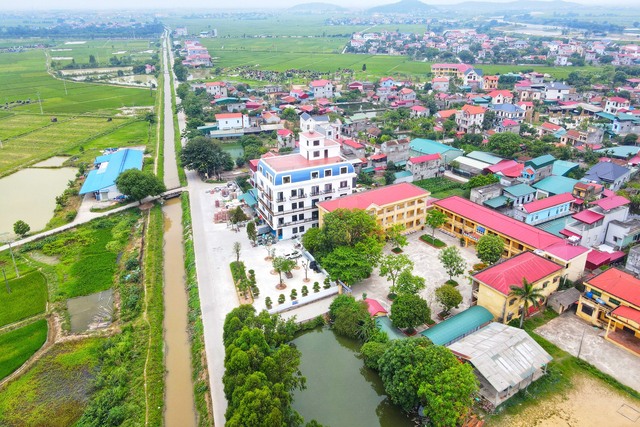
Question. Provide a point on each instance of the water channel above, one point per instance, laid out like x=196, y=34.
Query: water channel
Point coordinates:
x=341, y=391
x=179, y=404
x=30, y=195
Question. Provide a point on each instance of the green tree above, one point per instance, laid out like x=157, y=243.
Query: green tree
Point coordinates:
x=205, y=157
x=348, y=315
x=489, y=119
x=481, y=181
x=372, y=351
x=137, y=185
x=236, y=250
x=505, y=144
x=389, y=177
x=21, y=228
x=409, y=311
x=282, y=265
x=395, y=236
x=408, y=283
x=435, y=219
x=630, y=139
x=252, y=234
x=527, y=296
x=348, y=264
x=392, y=265
x=490, y=248
x=449, y=297
x=237, y=215
x=452, y=261
x=449, y=397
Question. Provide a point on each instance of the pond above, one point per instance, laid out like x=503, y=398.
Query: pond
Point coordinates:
x=341, y=391
x=91, y=311
x=52, y=162
x=235, y=149
x=30, y=195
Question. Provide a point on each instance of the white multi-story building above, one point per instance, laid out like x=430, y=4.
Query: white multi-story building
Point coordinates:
x=216, y=89
x=321, y=88
x=229, y=121
x=289, y=186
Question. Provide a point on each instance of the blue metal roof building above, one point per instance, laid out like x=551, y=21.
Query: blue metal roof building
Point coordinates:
x=553, y=185
x=420, y=146
x=102, y=180
x=459, y=326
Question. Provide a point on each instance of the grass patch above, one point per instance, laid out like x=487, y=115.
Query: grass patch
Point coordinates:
x=436, y=243
x=153, y=282
x=55, y=391
x=17, y=346
x=28, y=297
x=438, y=185
x=196, y=329
x=453, y=192
x=182, y=176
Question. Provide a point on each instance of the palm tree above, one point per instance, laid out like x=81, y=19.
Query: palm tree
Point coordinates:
x=528, y=295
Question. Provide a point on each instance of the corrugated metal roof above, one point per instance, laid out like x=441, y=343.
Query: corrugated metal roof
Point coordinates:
x=485, y=157
x=384, y=324
x=504, y=355
x=496, y=202
x=458, y=326
x=111, y=167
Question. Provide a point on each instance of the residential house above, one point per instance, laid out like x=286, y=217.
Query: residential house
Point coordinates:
x=621, y=234
x=557, y=91
x=505, y=360
x=232, y=121
x=101, y=181
x=490, y=82
x=216, y=89
x=467, y=166
x=508, y=125
x=608, y=174
x=528, y=108
x=563, y=167
x=590, y=225
x=538, y=168
x=615, y=104
x=290, y=186
x=403, y=204
x=473, y=78
x=549, y=129
x=420, y=146
x=544, y=210
x=491, y=287
x=426, y=166
x=576, y=138
x=396, y=150
x=321, y=88
x=450, y=70
x=519, y=194
x=349, y=147
x=468, y=222
x=440, y=84
x=469, y=119
x=482, y=194
x=552, y=185
x=407, y=95
x=501, y=97
x=508, y=111
x=624, y=124
x=418, y=111
x=612, y=301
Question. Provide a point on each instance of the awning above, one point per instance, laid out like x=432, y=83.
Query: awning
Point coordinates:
x=496, y=202
x=568, y=233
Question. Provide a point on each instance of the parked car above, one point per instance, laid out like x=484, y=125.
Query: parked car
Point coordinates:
x=293, y=255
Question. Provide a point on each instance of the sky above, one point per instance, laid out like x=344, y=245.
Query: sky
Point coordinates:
x=220, y=4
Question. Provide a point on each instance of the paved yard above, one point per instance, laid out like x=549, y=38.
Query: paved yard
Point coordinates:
x=566, y=332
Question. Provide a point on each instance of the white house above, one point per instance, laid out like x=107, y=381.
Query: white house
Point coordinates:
x=229, y=121
x=469, y=119
x=321, y=88
x=556, y=91
x=217, y=89
x=440, y=84
x=616, y=103
x=290, y=186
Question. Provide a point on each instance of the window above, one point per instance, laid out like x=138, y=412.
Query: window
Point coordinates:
x=286, y=179
x=280, y=208
x=294, y=205
x=316, y=143
x=587, y=309
x=315, y=175
x=343, y=170
x=300, y=205
x=301, y=228
x=301, y=217
x=294, y=193
x=545, y=284
x=512, y=301
x=596, y=293
x=343, y=184
x=295, y=230
x=316, y=154
x=327, y=172
x=614, y=301
x=294, y=218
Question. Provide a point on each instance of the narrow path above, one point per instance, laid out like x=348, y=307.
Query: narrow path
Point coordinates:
x=171, y=179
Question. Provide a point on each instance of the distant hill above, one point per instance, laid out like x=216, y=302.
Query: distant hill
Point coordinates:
x=525, y=5
x=403, y=6
x=316, y=7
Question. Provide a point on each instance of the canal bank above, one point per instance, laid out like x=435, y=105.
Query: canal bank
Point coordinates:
x=179, y=402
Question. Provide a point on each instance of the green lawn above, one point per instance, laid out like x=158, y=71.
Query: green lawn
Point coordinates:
x=28, y=297
x=17, y=346
x=55, y=391
x=23, y=76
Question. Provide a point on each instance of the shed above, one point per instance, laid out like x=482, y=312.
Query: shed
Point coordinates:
x=102, y=180
x=506, y=360
x=458, y=326
x=561, y=301
x=375, y=308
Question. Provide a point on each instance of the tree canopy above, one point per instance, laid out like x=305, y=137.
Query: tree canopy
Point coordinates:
x=205, y=157
x=348, y=315
x=391, y=266
x=449, y=297
x=490, y=248
x=505, y=144
x=137, y=185
x=435, y=219
x=452, y=261
x=409, y=311
x=21, y=228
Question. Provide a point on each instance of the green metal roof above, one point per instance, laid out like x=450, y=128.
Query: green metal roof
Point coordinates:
x=249, y=198
x=556, y=185
x=562, y=167
x=384, y=324
x=607, y=116
x=369, y=169
x=496, y=202
x=541, y=161
x=402, y=174
x=458, y=326
x=519, y=190
x=429, y=146
x=621, y=151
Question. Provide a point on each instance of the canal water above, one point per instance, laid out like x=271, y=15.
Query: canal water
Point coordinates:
x=179, y=404
x=341, y=391
x=30, y=195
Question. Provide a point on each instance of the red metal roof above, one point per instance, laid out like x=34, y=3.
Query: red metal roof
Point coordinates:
x=527, y=265
x=627, y=313
x=489, y=218
x=502, y=164
x=619, y=284
x=379, y=156
x=425, y=158
x=351, y=143
x=284, y=132
x=374, y=307
x=319, y=83
x=379, y=197
x=612, y=202
x=588, y=216
x=548, y=202
x=229, y=116
x=566, y=251
x=569, y=233
x=551, y=126
x=473, y=110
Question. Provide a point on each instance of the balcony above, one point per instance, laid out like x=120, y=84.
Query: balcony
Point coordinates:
x=298, y=196
x=281, y=199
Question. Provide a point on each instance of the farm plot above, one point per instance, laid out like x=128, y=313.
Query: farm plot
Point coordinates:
x=18, y=345
x=23, y=298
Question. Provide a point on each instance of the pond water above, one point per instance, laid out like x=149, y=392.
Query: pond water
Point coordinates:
x=341, y=391
x=91, y=311
x=30, y=195
x=235, y=149
x=52, y=162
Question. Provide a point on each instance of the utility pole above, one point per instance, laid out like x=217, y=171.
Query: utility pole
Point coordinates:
x=6, y=282
x=64, y=82
x=40, y=103
x=15, y=266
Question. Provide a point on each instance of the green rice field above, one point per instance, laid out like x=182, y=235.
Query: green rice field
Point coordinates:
x=18, y=345
x=24, y=297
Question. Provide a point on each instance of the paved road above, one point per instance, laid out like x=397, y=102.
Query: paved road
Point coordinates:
x=171, y=179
